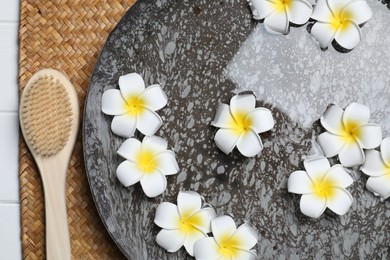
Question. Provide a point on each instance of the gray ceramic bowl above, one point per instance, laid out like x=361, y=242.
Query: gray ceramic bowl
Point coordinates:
x=201, y=52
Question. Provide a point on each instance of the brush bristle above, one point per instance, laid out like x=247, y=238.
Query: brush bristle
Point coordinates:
x=47, y=115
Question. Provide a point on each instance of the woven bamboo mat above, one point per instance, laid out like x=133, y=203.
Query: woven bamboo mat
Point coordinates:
x=66, y=35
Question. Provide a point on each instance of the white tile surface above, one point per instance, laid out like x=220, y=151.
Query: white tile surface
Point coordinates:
x=8, y=77
x=9, y=10
x=10, y=245
x=9, y=134
x=10, y=242
x=9, y=36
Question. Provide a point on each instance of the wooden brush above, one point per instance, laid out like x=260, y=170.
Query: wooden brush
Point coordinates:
x=49, y=119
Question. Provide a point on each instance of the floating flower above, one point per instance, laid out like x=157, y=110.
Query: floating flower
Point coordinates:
x=228, y=241
x=339, y=20
x=348, y=133
x=278, y=14
x=240, y=124
x=183, y=224
x=321, y=186
x=147, y=162
x=133, y=106
x=377, y=166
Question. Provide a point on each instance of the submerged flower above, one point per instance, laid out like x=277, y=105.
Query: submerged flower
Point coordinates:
x=147, y=162
x=339, y=20
x=228, y=241
x=348, y=133
x=278, y=14
x=377, y=166
x=321, y=186
x=240, y=124
x=183, y=224
x=133, y=106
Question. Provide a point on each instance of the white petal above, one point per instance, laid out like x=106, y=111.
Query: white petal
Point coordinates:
x=349, y=35
x=299, y=11
x=154, y=97
x=332, y=119
x=260, y=120
x=128, y=173
x=264, y=8
x=242, y=104
x=322, y=12
x=356, y=113
x=250, y=144
x=204, y=217
x=131, y=85
x=188, y=203
x=338, y=4
x=129, y=149
x=370, y=136
x=245, y=255
x=223, y=117
x=299, y=183
x=153, y=184
x=339, y=175
x=277, y=23
x=223, y=226
x=316, y=168
x=330, y=144
x=324, y=33
x=226, y=139
x=170, y=240
x=206, y=249
x=360, y=10
x=167, y=216
x=148, y=122
x=340, y=202
x=167, y=163
x=374, y=164
x=244, y=238
x=155, y=144
x=379, y=185
x=124, y=125
x=312, y=206
x=113, y=103
x=385, y=151
x=351, y=155
x=191, y=239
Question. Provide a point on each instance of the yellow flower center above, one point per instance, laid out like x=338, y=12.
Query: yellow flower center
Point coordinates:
x=338, y=21
x=281, y=5
x=351, y=131
x=188, y=224
x=146, y=161
x=227, y=246
x=323, y=188
x=134, y=105
x=239, y=123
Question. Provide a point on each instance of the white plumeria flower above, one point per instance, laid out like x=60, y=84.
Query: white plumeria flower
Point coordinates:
x=339, y=20
x=228, y=243
x=133, y=106
x=321, y=186
x=147, y=162
x=278, y=14
x=348, y=133
x=240, y=124
x=377, y=166
x=183, y=224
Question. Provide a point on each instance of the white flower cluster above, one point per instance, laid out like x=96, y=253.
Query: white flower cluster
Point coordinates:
x=188, y=224
x=350, y=136
x=338, y=20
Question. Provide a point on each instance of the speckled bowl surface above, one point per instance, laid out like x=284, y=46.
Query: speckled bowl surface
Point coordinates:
x=202, y=52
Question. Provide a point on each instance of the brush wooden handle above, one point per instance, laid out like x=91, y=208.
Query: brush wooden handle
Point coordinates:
x=53, y=173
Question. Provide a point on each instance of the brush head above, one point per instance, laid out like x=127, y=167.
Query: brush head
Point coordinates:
x=46, y=115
